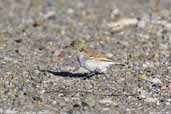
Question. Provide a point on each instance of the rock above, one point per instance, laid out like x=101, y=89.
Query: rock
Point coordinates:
x=143, y=94
x=169, y=100
x=169, y=86
x=141, y=24
x=148, y=64
x=107, y=102
x=70, y=11
x=90, y=100
x=151, y=100
x=50, y=14
x=156, y=81
x=143, y=77
x=115, y=12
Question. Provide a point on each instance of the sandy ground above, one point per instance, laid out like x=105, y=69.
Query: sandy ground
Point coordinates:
x=37, y=72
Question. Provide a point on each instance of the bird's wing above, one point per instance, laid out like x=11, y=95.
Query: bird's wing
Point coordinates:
x=91, y=54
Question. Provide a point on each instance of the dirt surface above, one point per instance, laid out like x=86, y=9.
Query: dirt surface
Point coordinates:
x=38, y=75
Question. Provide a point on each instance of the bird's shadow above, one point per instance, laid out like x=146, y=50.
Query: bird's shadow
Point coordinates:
x=70, y=74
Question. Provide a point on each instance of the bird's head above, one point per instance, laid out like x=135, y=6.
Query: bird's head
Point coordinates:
x=78, y=44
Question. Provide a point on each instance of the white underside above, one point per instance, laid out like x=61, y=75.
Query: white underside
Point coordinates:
x=94, y=65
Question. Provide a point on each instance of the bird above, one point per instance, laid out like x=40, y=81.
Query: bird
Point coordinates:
x=91, y=60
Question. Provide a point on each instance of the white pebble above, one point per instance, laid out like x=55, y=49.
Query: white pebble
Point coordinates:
x=151, y=100
x=156, y=81
x=106, y=101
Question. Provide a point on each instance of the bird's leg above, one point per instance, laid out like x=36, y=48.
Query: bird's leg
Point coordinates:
x=105, y=75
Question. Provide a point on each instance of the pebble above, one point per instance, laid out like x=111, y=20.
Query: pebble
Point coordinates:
x=143, y=77
x=90, y=100
x=156, y=81
x=167, y=103
x=54, y=102
x=169, y=86
x=163, y=87
x=106, y=101
x=143, y=94
x=168, y=100
x=148, y=64
x=141, y=24
x=105, y=109
x=50, y=14
x=114, y=13
x=151, y=100
x=9, y=59
x=70, y=11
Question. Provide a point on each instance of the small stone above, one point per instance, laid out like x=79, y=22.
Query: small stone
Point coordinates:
x=80, y=5
x=167, y=103
x=151, y=100
x=169, y=100
x=62, y=32
x=107, y=102
x=169, y=86
x=165, y=12
x=70, y=11
x=50, y=14
x=42, y=91
x=114, y=13
x=38, y=23
x=141, y=24
x=106, y=109
x=163, y=46
x=143, y=77
x=168, y=26
x=163, y=87
x=156, y=87
x=156, y=81
x=18, y=40
x=148, y=64
x=54, y=102
x=61, y=94
x=90, y=100
x=143, y=94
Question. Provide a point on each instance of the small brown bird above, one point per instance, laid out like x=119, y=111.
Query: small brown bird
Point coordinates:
x=90, y=60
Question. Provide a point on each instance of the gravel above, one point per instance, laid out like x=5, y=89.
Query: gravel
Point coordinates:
x=39, y=75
